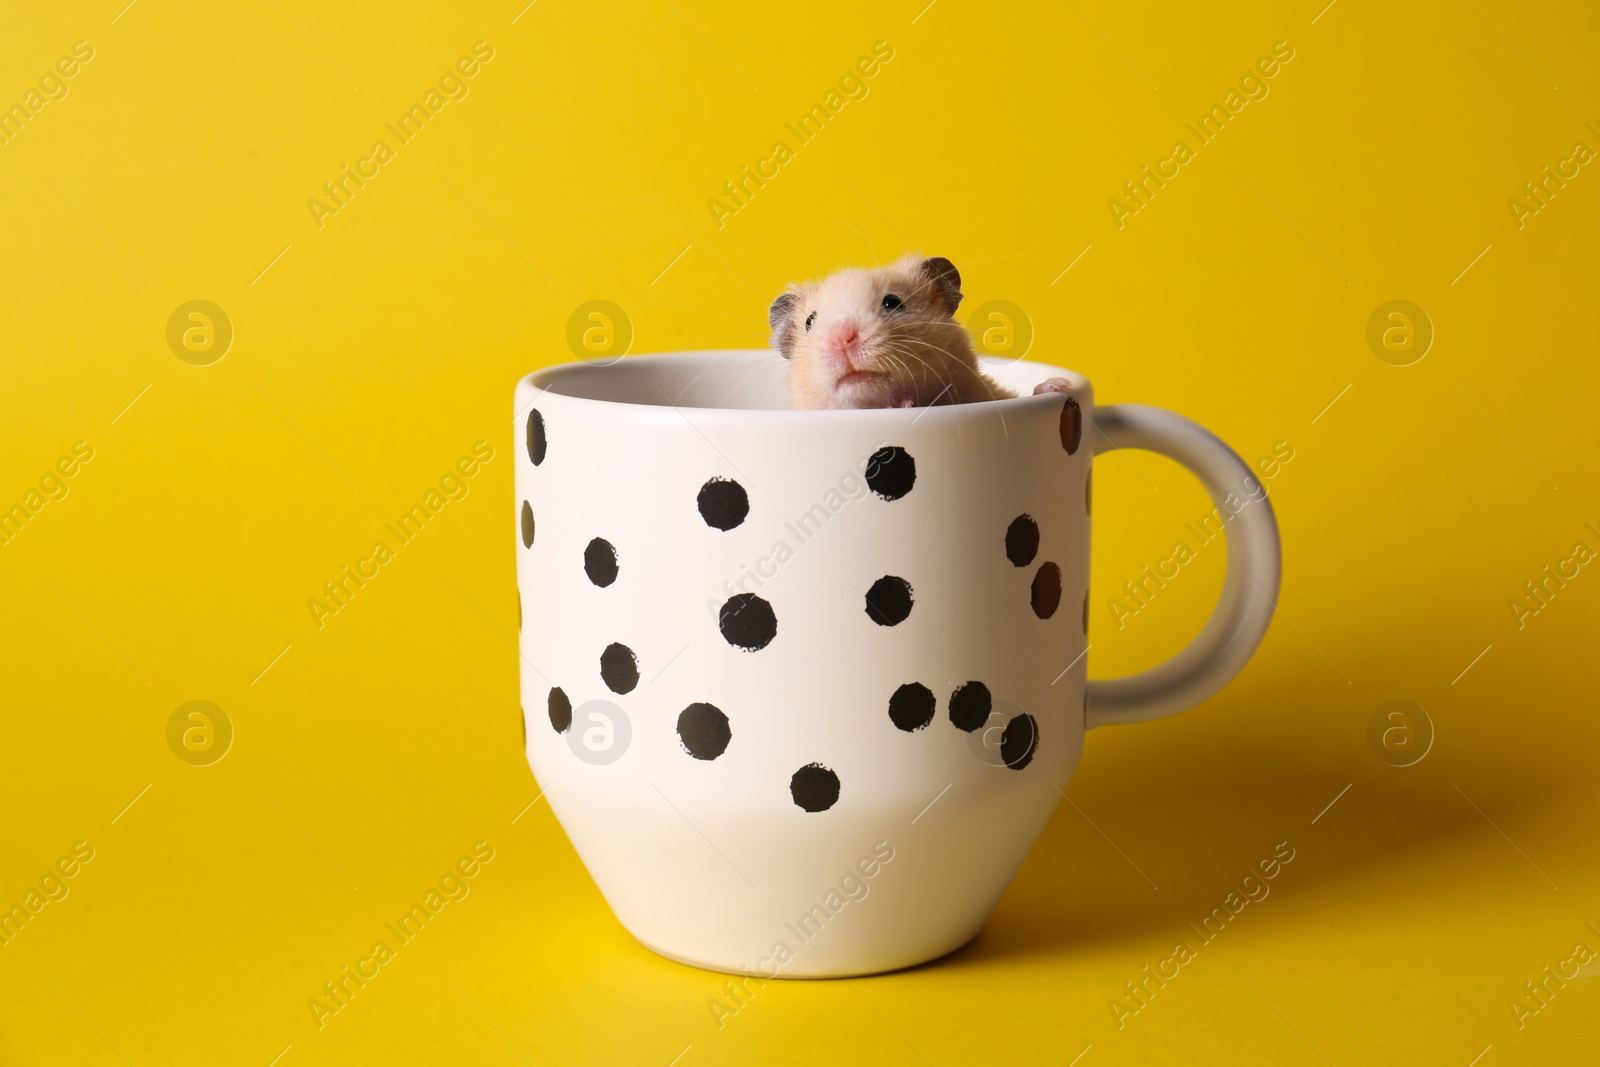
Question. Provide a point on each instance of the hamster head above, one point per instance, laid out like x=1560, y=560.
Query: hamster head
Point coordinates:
x=874, y=338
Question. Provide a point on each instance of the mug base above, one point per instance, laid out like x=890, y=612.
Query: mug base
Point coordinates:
x=812, y=975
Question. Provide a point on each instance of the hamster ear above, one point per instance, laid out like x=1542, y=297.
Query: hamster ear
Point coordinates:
x=778, y=315
x=944, y=280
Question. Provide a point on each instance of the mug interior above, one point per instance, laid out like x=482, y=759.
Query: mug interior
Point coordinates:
x=733, y=379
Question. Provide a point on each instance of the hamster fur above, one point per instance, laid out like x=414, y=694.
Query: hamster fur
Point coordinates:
x=882, y=338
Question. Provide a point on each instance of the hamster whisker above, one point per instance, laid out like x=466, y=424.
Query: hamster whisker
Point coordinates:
x=896, y=353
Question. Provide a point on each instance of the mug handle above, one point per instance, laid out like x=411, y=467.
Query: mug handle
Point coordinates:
x=1249, y=588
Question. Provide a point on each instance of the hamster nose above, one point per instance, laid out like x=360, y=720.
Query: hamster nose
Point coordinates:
x=845, y=339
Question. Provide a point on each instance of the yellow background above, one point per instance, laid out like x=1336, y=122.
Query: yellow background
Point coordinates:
x=374, y=351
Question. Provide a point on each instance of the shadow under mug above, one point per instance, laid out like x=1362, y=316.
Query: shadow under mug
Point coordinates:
x=801, y=686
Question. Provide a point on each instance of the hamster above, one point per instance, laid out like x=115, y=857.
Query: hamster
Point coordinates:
x=882, y=338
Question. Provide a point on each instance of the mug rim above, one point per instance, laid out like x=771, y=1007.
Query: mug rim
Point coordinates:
x=543, y=380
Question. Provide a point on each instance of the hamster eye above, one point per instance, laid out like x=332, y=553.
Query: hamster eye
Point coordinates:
x=892, y=302
x=809, y=320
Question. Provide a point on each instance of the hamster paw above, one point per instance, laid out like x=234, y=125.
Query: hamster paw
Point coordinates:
x=1053, y=385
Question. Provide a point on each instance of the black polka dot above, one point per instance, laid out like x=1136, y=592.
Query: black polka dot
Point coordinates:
x=1088, y=492
x=704, y=731
x=723, y=503
x=969, y=706
x=891, y=472
x=1086, y=612
x=912, y=706
x=536, y=441
x=600, y=562
x=527, y=525
x=814, y=787
x=560, y=711
x=1022, y=540
x=619, y=668
x=889, y=600
x=1071, y=425
x=1019, y=742
x=747, y=621
x=1047, y=590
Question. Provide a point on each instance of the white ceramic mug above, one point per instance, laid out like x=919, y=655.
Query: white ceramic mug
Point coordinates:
x=801, y=685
